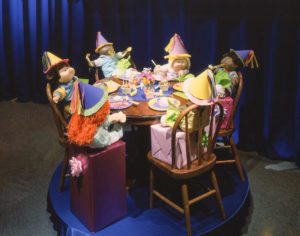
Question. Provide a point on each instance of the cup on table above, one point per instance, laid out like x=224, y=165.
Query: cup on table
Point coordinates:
x=126, y=88
x=149, y=93
x=164, y=85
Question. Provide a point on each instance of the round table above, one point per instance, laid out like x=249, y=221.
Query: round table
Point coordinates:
x=142, y=114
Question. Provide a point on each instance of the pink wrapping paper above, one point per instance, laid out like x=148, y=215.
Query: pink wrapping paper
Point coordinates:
x=161, y=145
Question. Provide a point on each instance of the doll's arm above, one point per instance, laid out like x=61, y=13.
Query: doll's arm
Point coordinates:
x=125, y=52
x=59, y=94
x=182, y=73
x=103, y=137
x=91, y=63
x=161, y=68
x=234, y=78
x=117, y=117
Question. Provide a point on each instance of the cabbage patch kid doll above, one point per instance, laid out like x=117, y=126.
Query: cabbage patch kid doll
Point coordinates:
x=226, y=77
x=111, y=63
x=179, y=61
x=62, y=77
x=90, y=122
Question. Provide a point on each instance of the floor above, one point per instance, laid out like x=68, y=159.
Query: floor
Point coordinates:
x=30, y=153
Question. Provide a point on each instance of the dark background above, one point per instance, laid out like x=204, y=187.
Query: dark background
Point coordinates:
x=269, y=113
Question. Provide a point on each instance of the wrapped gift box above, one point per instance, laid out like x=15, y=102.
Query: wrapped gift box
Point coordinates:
x=161, y=145
x=227, y=103
x=98, y=195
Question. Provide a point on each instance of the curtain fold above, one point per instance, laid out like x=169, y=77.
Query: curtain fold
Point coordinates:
x=269, y=112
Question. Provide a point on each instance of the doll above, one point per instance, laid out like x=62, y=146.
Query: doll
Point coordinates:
x=111, y=63
x=62, y=78
x=90, y=124
x=226, y=74
x=178, y=61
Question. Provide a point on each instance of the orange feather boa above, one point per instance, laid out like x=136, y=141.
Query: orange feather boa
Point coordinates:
x=81, y=129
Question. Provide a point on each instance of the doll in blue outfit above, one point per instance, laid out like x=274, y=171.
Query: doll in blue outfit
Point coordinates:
x=62, y=78
x=111, y=63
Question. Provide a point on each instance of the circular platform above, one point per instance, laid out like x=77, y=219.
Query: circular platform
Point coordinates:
x=161, y=220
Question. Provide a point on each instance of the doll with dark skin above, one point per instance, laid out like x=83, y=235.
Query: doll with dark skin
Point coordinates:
x=226, y=77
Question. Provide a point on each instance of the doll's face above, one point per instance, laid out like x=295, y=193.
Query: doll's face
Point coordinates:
x=107, y=50
x=229, y=64
x=66, y=74
x=179, y=64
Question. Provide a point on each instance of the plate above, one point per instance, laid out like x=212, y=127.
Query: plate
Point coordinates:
x=178, y=86
x=129, y=73
x=167, y=77
x=118, y=102
x=162, y=103
x=112, y=86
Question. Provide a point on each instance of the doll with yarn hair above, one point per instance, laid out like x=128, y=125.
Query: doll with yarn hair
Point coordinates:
x=179, y=63
x=226, y=74
x=92, y=124
x=62, y=78
x=111, y=63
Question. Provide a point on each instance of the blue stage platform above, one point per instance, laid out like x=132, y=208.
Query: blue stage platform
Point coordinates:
x=162, y=220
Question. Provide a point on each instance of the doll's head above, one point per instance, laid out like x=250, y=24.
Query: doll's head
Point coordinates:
x=107, y=50
x=60, y=73
x=231, y=62
x=180, y=63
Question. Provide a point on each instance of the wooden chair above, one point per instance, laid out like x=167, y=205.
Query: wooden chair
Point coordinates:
x=226, y=133
x=204, y=163
x=61, y=126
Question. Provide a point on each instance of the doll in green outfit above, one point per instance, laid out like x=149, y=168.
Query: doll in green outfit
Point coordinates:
x=226, y=74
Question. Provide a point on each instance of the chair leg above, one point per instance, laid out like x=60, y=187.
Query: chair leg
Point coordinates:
x=218, y=194
x=151, y=184
x=63, y=171
x=186, y=207
x=237, y=158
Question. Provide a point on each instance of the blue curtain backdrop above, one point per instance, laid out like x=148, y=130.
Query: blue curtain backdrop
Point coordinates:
x=269, y=113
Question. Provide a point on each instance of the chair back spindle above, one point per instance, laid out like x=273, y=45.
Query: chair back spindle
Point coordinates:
x=60, y=122
x=211, y=136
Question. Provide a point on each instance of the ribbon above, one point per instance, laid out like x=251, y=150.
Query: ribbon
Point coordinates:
x=251, y=58
x=73, y=106
x=78, y=164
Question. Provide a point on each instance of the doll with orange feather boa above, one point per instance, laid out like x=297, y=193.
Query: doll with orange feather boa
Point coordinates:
x=91, y=121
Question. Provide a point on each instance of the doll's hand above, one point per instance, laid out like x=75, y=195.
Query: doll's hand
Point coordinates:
x=122, y=117
x=235, y=81
x=157, y=69
x=87, y=56
x=117, y=117
x=56, y=98
x=126, y=52
x=181, y=73
x=129, y=49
